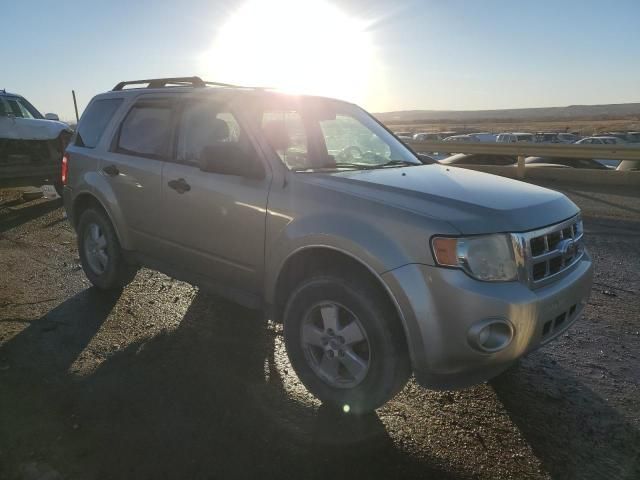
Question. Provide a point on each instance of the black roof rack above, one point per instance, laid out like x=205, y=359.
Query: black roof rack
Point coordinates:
x=178, y=82
x=164, y=82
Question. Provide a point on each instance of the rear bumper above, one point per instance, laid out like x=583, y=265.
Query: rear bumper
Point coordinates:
x=439, y=306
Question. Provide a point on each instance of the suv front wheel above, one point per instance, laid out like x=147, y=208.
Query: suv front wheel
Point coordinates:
x=345, y=342
x=100, y=253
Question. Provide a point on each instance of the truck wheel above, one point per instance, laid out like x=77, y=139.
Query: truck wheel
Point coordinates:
x=100, y=252
x=345, y=342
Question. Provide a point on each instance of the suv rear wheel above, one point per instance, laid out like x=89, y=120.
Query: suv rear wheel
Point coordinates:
x=345, y=342
x=100, y=252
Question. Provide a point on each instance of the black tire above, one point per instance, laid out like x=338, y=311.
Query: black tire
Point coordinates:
x=59, y=188
x=389, y=364
x=117, y=273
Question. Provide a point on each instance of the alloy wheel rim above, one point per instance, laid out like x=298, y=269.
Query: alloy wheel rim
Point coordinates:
x=335, y=345
x=95, y=248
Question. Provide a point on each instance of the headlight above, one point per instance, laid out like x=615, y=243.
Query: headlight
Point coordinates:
x=488, y=257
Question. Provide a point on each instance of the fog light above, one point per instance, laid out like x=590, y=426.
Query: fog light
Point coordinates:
x=490, y=335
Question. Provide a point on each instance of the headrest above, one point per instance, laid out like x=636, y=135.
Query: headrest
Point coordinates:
x=219, y=130
x=276, y=133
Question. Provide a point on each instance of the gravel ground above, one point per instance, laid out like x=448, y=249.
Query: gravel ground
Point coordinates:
x=163, y=381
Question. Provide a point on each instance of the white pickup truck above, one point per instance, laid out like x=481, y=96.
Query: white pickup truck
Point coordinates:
x=31, y=145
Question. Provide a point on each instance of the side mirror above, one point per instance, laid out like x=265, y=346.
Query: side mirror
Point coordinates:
x=52, y=116
x=230, y=159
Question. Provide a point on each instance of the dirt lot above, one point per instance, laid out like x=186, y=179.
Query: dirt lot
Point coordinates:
x=164, y=381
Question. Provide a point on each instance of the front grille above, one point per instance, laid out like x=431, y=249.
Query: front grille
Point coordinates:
x=550, y=251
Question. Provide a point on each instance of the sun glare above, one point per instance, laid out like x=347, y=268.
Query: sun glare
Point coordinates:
x=307, y=47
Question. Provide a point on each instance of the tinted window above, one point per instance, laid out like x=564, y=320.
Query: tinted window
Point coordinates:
x=204, y=125
x=95, y=120
x=146, y=131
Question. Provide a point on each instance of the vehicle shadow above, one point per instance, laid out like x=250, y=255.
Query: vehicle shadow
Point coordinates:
x=14, y=217
x=51, y=343
x=204, y=400
x=572, y=430
x=34, y=379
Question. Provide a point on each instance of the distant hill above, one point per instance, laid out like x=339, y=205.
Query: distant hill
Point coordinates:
x=572, y=112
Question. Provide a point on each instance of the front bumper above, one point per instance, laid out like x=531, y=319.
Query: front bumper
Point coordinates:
x=440, y=305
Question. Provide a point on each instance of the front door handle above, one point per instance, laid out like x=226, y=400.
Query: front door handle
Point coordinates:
x=179, y=185
x=111, y=170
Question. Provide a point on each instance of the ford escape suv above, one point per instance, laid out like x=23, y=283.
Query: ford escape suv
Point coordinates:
x=378, y=265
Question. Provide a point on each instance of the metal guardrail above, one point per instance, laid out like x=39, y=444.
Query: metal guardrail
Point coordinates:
x=605, y=152
x=523, y=150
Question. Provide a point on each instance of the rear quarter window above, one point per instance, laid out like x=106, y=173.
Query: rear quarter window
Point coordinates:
x=95, y=121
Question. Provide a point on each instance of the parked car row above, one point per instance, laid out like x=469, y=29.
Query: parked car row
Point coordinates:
x=516, y=137
x=461, y=159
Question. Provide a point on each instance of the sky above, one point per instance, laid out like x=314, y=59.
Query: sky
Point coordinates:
x=384, y=55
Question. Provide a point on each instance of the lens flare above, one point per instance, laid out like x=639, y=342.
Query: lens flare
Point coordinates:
x=309, y=47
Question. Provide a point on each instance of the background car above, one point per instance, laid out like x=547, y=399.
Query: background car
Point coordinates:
x=427, y=137
x=404, y=135
x=485, y=136
x=515, y=137
x=462, y=139
x=601, y=140
x=629, y=166
x=31, y=144
x=565, y=137
x=479, y=159
x=566, y=162
x=547, y=137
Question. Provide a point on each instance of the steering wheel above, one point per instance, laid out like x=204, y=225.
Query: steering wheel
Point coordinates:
x=350, y=153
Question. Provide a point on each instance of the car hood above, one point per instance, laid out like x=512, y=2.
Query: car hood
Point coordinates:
x=30, y=128
x=472, y=202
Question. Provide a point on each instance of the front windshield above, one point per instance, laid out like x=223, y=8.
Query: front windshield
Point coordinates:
x=18, y=107
x=319, y=135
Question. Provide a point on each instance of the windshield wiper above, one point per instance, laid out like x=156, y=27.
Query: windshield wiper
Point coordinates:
x=358, y=166
x=397, y=162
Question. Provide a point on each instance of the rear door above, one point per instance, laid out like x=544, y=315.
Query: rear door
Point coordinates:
x=215, y=223
x=133, y=168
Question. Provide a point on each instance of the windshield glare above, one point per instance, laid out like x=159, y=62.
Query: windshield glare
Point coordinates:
x=343, y=137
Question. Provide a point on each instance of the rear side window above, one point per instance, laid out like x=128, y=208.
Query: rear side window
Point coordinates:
x=146, y=131
x=95, y=121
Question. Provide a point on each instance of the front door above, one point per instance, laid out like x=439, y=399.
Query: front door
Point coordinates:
x=214, y=222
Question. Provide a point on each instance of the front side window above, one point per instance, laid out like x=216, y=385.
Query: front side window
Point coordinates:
x=202, y=126
x=286, y=133
x=146, y=131
x=325, y=135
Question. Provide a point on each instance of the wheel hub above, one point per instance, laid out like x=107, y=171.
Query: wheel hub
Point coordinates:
x=335, y=345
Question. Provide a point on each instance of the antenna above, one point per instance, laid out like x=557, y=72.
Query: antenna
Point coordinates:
x=75, y=105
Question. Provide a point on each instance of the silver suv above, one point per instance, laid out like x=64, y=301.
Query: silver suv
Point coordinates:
x=378, y=265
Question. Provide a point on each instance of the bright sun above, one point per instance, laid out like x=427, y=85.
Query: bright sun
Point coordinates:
x=297, y=46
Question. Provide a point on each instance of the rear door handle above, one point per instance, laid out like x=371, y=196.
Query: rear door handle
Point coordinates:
x=180, y=185
x=111, y=170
